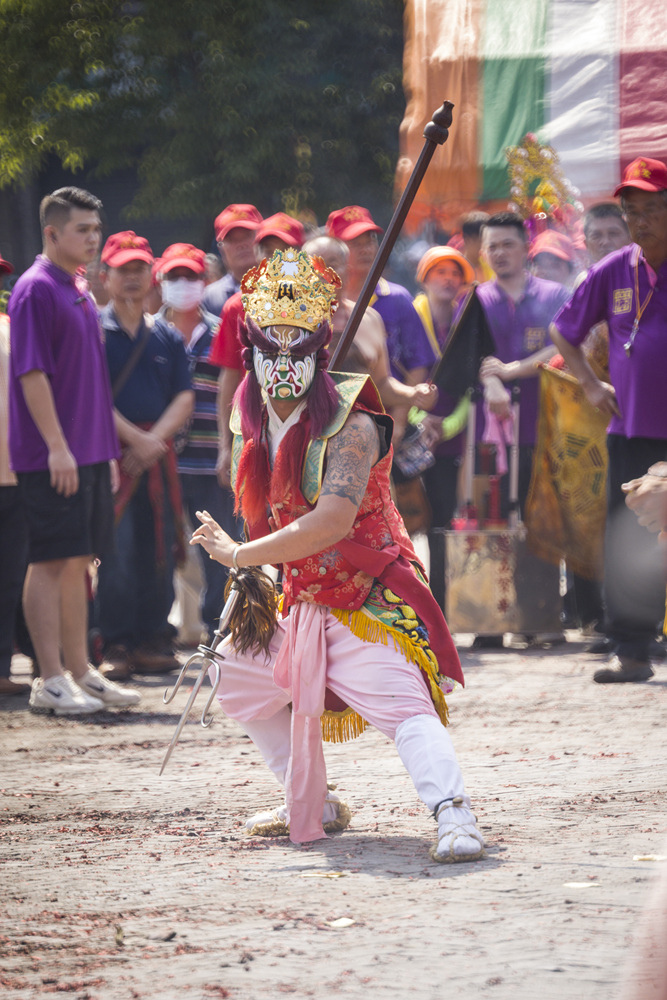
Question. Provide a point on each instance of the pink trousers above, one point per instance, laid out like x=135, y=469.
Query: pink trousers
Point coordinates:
x=376, y=680
x=373, y=679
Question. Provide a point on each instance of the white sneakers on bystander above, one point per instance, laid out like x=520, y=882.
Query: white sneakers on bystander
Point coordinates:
x=62, y=695
x=112, y=695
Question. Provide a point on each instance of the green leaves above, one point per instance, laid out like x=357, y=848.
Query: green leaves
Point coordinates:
x=277, y=102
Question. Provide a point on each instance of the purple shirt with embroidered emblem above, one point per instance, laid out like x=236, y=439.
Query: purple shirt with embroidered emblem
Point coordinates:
x=519, y=329
x=407, y=342
x=608, y=292
x=55, y=329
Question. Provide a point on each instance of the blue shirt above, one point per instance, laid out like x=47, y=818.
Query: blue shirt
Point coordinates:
x=218, y=292
x=161, y=373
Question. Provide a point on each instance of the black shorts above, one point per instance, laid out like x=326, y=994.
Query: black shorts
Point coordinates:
x=65, y=527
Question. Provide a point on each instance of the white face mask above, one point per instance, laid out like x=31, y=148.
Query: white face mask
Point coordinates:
x=182, y=294
x=281, y=376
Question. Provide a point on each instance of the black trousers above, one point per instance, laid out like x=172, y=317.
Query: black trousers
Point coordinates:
x=440, y=483
x=13, y=565
x=634, y=577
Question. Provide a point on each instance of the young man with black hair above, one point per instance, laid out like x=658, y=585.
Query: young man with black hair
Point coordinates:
x=605, y=229
x=472, y=225
x=519, y=308
x=62, y=445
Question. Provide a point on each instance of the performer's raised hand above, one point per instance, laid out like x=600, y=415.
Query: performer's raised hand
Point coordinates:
x=213, y=539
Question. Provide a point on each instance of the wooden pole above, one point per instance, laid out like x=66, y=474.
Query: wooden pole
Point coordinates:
x=435, y=134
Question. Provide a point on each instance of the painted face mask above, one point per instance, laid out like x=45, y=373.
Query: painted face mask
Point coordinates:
x=281, y=375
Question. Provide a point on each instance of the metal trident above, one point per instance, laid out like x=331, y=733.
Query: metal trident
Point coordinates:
x=209, y=657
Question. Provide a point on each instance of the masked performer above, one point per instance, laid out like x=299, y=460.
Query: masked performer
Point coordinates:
x=359, y=638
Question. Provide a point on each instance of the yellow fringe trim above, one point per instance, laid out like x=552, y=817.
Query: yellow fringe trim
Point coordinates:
x=371, y=630
x=338, y=727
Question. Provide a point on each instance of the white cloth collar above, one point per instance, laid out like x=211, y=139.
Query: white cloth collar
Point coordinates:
x=197, y=334
x=277, y=428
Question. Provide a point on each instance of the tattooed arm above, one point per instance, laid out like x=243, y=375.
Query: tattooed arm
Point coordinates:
x=350, y=457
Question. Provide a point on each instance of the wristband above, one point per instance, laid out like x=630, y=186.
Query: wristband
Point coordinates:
x=234, y=557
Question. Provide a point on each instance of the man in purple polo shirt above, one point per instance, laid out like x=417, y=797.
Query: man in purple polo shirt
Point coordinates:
x=628, y=289
x=62, y=442
x=519, y=308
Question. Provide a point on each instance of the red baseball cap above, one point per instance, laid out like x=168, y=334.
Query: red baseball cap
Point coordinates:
x=645, y=174
x=183, y=255
x=284, y=227
x=236, y=217
x=5, y=266
x=550, y=241
x=121, y=248
x=348, y=223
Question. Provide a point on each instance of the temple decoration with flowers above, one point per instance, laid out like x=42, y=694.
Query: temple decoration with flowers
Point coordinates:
x=540, y=192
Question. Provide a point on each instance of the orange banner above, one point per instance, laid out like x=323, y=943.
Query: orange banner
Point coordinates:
x=440, y=63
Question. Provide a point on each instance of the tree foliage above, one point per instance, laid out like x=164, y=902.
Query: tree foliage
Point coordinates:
x=282, y=103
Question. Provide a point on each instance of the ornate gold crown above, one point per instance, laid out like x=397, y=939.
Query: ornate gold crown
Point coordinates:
x=291, y=289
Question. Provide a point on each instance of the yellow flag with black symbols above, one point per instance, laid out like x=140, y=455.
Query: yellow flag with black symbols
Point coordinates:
x=566, y=505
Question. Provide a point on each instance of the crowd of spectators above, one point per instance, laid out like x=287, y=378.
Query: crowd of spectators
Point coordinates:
x=116, y=395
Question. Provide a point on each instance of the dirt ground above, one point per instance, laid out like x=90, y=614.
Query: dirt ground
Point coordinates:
x=118, y=883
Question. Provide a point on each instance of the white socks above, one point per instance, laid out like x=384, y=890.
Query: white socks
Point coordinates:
x=272, y=737
x=424, y=746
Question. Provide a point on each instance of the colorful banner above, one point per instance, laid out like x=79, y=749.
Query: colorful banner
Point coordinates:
x=588, y=76
x=566, y=504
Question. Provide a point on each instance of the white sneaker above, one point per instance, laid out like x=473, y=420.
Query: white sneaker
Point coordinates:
x=112, y=695
x=61, y=696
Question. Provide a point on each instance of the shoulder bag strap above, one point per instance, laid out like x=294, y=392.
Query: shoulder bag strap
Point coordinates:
x=133, y=359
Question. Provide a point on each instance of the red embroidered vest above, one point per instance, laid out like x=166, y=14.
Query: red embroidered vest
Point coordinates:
x=333, y=577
